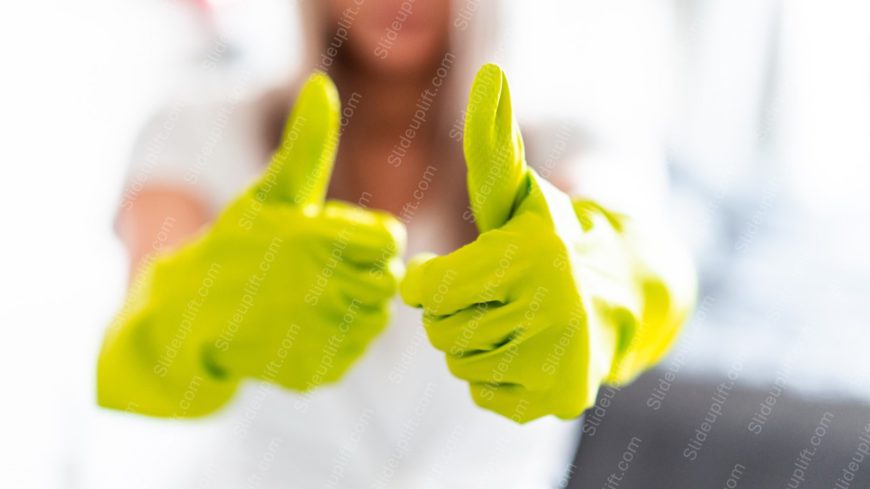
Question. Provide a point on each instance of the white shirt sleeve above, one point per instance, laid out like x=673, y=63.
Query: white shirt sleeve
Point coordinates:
x=211, y=149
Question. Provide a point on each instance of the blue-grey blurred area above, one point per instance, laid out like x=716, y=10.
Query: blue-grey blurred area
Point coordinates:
x=768, y=149
x=797, y=442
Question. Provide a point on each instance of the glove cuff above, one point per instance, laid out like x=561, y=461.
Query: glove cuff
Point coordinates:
x=647, y=292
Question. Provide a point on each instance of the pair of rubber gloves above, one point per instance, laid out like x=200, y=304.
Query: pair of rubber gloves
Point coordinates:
x=553, y=298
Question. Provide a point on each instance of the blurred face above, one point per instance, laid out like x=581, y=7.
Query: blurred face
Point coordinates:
x=395, y=36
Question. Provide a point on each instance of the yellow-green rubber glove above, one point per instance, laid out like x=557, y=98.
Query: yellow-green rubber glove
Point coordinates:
x=282, y=287
x=554, y=297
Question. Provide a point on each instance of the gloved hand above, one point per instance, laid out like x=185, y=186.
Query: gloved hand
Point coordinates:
x=282, y=287
x=554, y=296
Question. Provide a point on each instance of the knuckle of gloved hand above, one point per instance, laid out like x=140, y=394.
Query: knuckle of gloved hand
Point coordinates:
x=437, y=339
x=376, y=319
x=393, y=279
x=334, y=373
x=440, y=341
x=327, y=296
x=569, y=409
x=431, y=325
x=384, y=230
x=490, y=396
x=482, y=393
x=541, y=380
x=387, y=270
x=457, y=366
x=392, y=227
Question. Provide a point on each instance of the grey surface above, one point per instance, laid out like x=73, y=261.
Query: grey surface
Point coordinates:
x=769, y=457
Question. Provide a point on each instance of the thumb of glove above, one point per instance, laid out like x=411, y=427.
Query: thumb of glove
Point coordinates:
x=494, y=152
x=301, y=167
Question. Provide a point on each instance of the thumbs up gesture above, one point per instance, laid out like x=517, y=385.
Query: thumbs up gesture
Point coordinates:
x=546, y=303
x=283, y=287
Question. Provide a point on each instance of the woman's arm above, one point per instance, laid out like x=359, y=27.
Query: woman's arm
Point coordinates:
x=161, y=217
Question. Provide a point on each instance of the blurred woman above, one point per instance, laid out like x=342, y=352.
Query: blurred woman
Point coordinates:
x=398, y=418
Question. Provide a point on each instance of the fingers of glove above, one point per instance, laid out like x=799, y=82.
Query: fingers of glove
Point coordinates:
x=316, y=364
x=236, y=359
x=371, y=288
x=497, y=267
x=359, y=235
x=333, y=338
x=380, y=278
x=445, y=285
x=483, y=271
x=515, y=362
x=352, y=334
x=300, y=168
x=479, y=328
x=374, y=321
x=345, y=285
x=349, y=317
x=359, y=320
x=343, y=331
x=247, y=351
x=514, y=402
